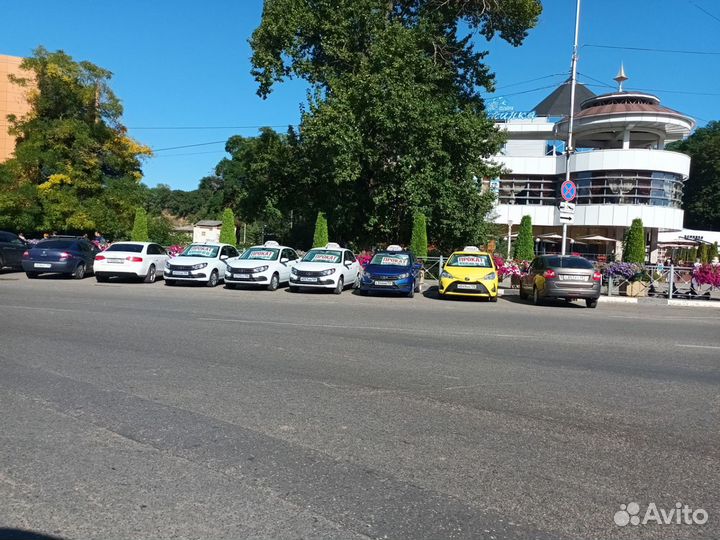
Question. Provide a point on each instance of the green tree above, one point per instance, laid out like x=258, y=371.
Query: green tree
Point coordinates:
x=395, y=121
x=701, y=194
x=702, y=253
x=418, y=242
x=74, y=166
x=712, y=251
x=227, y=230
x=524, y=249
x=634, y=248
x=140, y=227
x=320, y=238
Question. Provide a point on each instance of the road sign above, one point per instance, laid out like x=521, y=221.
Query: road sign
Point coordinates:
x=568, y=190
x=567, y=207
x=567, y=218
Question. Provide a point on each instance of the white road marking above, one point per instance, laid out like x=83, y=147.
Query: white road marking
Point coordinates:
x=659, y=318
x=697, y=346
x=41, y=308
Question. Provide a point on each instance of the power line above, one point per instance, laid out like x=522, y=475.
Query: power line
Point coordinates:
x=529, y=81
x=189, y=145
x=206, y=127
x=527, y=91
x=596, y=80
x=665, y=91
x=191, y=154
x=705, y=11
x=647, y=49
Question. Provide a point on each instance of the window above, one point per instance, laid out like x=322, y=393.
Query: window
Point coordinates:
x=55, y=244
x=130, y=248
x=349, y=257
x=233, y=252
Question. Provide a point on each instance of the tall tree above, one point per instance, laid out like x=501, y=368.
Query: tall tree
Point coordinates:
x=74, y=166
x=394, y=123
x=701, y=198
x=418, y=242
x=525, y=245
x=227, y=231
x=140, y=227
x=320, y=238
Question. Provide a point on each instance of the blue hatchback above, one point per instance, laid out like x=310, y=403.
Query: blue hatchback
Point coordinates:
x=392, y=271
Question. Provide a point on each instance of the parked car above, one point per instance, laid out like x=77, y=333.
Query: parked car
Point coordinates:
x=131, y=260
x=561, y=276
x=12, y=248
x=469, y=272
x=60, y=255
x=392, y=270
x=200, y=263
x=331, y=267
x=268, y=265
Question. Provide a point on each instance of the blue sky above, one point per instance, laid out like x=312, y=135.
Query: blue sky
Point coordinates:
x=185, y=64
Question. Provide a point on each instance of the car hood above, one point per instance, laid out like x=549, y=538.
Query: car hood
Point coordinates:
x=469, y=272
x=316, y=267
x=190, y=261
x=249, y=263
x=387, y=269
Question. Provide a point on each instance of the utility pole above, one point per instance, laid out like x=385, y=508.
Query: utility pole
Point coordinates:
x=573, y=80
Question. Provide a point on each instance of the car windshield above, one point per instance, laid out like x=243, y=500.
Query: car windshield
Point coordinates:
x=260, y=254
x=569, y=262
x=391, y=259
x=465, y=260
x=209, y=252
x=56, y=244
x=131, y=248
x=323, y=256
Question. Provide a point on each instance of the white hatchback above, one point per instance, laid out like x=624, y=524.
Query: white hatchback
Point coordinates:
x=268, y=265
x=200, y=262
x=144, y=260
x=331, y=267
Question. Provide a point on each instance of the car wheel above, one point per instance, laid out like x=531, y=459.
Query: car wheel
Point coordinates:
x=340, y=286
x=411, y=292
x=523, y=294
x=493, y=298
x=32, y=275
x=213, y=279
x=2, y=262
x=79, y=272
x=537, y=300
x=591, y=302
x=417, y=287
x=170, y=282
x=151, y=276
x=101, y=279
x=274, y=283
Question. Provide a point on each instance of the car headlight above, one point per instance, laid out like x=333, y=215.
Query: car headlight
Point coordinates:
x=367, y=275
x=446, y=275
x=199, y=266
x=491, y=275
x=403, y=276
x=167, y=264
x=328, y=272
x=293, y=271
x=259, y=269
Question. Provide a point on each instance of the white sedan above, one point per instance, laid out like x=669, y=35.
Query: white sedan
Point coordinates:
x=144, y=260
x=268, y=265
x=200, y=262
x=331, y=267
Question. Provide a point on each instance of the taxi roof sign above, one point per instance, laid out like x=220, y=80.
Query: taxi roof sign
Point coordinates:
x=271, y=243
x=471, y=248
x=333, y=245
x=394, y=247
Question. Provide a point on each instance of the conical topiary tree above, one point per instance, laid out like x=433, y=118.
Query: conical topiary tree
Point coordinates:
x=524, y=249
x=418, y=241
x=140, y=227
x=702, y=253
x=712, y=251
x=320, y=238
x=634, y=249
x=227, y=229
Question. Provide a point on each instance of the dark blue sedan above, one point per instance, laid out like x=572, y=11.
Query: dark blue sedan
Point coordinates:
x=392, y=271
x=70, y=256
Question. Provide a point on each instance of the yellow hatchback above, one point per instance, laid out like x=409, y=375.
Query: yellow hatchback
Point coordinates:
x=469, y=272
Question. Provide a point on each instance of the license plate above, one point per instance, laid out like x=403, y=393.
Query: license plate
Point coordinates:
x=241, y=276
x=466, y=286
x=115, y=261
x=383, y=283
x=42, y=265
x=570, y=277
x=180, y=273
x=309, y=279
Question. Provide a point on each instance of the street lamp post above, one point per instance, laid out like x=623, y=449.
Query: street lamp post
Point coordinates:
x=509, y=237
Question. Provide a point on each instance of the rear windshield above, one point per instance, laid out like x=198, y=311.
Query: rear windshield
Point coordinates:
x=569, y=262
x=56, y=244
x=132, y=248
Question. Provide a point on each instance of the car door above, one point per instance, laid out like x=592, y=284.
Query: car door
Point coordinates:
x=162, y=258
x=351, y=270
x=284, y=266
x=155, y=256
x=87, y=252
x=529, y=279
x=12, y=249
x=223, y=255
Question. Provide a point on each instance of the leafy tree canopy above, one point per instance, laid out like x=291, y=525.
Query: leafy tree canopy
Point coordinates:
x=394, y=122
x=74, y=166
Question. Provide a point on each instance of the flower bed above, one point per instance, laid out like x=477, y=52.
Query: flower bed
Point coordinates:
x=707, y=274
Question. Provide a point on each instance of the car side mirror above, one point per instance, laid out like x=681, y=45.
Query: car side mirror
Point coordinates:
x=223, y=257
x=284, y=260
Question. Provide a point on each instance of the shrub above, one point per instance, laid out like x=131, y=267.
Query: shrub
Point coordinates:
x=227, y=229
x=525, y=245
x=418, y=242
x=140, y=227
x=634, y=249
x=707, y=274
x=320, y=238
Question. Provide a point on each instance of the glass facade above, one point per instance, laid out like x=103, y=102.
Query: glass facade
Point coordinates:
x=596, y=187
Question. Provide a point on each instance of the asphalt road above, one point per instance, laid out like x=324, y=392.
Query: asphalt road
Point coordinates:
x=145, y=411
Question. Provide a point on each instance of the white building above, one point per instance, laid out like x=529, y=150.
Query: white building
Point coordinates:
x=620, y=166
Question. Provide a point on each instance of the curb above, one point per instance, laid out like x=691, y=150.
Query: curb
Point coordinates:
x=694, y=303
x=617, y=300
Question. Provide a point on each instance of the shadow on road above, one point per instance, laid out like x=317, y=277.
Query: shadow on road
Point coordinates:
x=21, y=534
